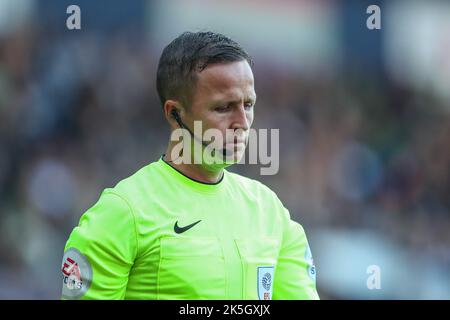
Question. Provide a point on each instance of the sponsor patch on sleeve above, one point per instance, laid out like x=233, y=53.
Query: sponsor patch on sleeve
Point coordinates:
x=77, y=274
x=310, y=262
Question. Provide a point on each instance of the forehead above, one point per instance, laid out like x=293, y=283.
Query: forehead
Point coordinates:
x=224, y=80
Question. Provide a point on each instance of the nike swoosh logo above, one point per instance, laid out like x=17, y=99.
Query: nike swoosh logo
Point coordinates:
x=179, y=229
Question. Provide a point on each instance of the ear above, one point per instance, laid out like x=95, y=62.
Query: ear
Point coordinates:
x=170, y=105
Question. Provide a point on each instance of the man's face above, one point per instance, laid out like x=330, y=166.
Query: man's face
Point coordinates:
x=223, y=98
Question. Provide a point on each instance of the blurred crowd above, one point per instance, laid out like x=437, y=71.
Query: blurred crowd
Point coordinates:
x=79, y=112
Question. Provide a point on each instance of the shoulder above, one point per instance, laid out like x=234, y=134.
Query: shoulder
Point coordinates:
x=254, y=187
x=144, y=178
x=140, y=187
x=108, y=222
x=119, y=202
x=109, y=212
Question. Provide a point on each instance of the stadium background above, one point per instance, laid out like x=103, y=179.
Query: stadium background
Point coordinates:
x=364, y=119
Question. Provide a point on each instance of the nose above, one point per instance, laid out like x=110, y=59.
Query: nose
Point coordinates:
x=240, y=118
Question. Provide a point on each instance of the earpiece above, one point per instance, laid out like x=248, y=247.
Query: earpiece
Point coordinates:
x=176, y=116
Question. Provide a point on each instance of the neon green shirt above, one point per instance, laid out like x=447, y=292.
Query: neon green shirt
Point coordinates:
x=161, y=235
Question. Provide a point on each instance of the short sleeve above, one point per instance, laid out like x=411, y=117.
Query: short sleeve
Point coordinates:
x=100, y=251
x=295, y=274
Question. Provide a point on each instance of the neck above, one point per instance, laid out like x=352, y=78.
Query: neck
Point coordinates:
x=198, y=172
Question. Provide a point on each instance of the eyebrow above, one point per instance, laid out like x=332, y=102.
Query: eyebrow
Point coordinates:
x=253, y=98
x=250, y=98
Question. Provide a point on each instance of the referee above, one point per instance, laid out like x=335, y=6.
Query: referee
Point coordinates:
x=188, y=230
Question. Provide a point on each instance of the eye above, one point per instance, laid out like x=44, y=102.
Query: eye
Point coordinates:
x=222, y=108
x=248, y=106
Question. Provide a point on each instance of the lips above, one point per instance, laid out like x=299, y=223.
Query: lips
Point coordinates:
x=239, y=140
x=238, y=143
x=237, y=146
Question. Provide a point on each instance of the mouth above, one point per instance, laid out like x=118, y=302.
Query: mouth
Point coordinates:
x=236, y=144
x=238, y=140
x=235, y=148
